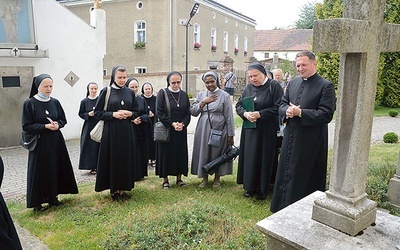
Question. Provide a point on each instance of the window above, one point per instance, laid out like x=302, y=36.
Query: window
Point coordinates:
x=225, y=41
x=245, y=45
x=140, y=70
x=140, y=31
x=213, y=39
x=236, y=41
x=196, y=34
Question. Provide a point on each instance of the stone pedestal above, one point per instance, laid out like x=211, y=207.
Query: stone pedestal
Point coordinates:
x=347, y=215
x=293, y=228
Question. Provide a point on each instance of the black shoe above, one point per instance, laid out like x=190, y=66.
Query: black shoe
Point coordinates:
x=116, y=197
x=261, y=197
x=55, y=203
x=39, y=209
x=248, y=194
x=125, y=196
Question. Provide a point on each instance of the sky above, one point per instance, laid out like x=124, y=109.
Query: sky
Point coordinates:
x=269, y=13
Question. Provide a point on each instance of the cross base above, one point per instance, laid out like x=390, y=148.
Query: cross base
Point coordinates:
x=350, y=216
x=394, y=191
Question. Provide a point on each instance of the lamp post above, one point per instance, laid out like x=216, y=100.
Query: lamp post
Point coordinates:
x=192, y=13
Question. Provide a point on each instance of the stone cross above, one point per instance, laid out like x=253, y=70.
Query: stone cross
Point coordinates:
x=394, y=188
x=360, y=36
x=97, y=4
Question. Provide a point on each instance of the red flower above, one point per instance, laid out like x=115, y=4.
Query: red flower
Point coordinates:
x=213, y=47
x=236, y=50
x=197, y=45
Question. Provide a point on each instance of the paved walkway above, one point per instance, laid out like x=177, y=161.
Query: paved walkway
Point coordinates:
x=15, y=164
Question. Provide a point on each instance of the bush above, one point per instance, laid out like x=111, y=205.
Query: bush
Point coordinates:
x=390, y=137
x=393, y=113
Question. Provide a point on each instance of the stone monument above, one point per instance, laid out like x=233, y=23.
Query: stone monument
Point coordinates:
x=394, y=188
x=359, y=37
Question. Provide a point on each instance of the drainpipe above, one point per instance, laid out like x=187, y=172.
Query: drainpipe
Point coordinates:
x=170, y=36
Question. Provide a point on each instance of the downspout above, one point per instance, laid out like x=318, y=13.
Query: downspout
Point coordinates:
x=170, y=36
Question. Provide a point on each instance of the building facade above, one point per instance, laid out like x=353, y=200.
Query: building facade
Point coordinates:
x=149, y=36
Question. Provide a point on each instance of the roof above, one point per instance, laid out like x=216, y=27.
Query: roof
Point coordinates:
x=282, y=40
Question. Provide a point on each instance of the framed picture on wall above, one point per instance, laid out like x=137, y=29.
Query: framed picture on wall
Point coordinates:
x=17, y=24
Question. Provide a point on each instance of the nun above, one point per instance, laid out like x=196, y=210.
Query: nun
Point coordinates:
x=172, y=156
x=50, y=170
x=8, y=234
x=258, y=143
x=150, y=98
x=89, y=148
x=215, y=109
x=142, y=127
x=116, y=162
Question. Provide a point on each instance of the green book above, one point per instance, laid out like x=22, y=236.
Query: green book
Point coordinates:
x=248, y=105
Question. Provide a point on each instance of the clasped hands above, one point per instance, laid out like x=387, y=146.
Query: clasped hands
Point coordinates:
x=178, y=126
x=52, y=125
x=122, y=114
x=252, y=116
x=293, y=110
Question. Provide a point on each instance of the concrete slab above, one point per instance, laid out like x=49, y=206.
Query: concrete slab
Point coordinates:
x=293, y=228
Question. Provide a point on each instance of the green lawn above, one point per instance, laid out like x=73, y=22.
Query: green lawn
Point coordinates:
x=179, y=218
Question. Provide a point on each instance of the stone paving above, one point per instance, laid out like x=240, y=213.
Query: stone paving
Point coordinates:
x=16, y=158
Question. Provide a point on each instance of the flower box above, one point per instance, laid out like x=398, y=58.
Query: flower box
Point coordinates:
x=141, y=45
x=236, y=50
x=213, y=47
x=245, y=53
x=197, y=45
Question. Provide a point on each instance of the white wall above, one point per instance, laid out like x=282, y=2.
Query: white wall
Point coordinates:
x=284, y=55
x=73, y=45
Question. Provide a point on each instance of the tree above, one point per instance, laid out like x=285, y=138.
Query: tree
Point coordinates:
x=307, y=16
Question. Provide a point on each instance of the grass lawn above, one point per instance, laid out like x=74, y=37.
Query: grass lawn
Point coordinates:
x=179, y=218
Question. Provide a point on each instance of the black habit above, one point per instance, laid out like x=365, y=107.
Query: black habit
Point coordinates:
x=303, y=159
x=49, y=167
x=141, y=133
x=89, y=148
x=172, y=156
x=258, y=145
x=116, y=162
x=150, y=144
x=8, y=235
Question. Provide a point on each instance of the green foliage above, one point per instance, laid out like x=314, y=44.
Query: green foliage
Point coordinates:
x=388, y=85
x=140, y=44
x=393, y=113
x=390, y=137
x=306, y=16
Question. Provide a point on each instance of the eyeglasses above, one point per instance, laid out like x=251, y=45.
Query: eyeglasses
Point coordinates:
x=173, y=83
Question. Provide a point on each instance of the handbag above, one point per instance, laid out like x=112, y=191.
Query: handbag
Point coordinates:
x=215, y=138
x=29, y=141
x=97, y=131
x=161, y=133
x=229, y=154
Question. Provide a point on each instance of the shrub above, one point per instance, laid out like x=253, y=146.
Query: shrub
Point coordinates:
x=390, y=137
x=393, y=113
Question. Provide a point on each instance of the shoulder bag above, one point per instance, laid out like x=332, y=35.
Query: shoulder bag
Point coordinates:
x=97, y=131
x=215, y=137
x=29, y=141
x=161, y=133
